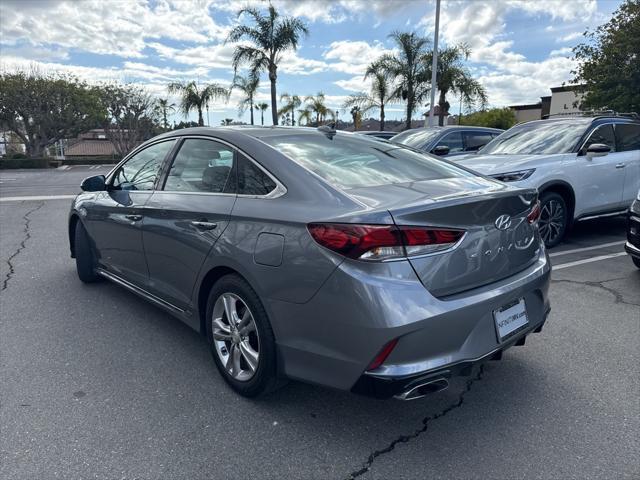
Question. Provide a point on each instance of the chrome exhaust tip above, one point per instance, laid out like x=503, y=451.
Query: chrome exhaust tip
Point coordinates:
x=424, y=389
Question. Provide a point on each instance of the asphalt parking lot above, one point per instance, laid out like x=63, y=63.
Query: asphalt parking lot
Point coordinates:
x=97, y=383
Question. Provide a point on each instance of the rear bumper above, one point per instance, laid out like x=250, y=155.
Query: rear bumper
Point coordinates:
x=388, y=386
x=632, y=250
x=332, y=339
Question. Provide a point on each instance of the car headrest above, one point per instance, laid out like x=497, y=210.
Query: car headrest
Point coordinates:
x=215, y=178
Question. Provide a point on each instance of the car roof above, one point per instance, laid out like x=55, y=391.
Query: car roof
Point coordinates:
x=585, y=119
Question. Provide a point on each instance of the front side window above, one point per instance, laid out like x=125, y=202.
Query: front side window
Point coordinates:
x=141, y=170
x=201, y=166
x=349, y=162
x=539, y=138
x=453, y=141
x=628, y=136
x=602, y=134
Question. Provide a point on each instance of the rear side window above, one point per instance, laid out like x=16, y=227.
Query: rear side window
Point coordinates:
x=201, y=166
x=474, y=140
x=251, y=179
x=602, y=134
x=628, y=137
x=349, y=162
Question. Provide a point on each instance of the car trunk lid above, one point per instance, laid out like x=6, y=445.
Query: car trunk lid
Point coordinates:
x=499, y=240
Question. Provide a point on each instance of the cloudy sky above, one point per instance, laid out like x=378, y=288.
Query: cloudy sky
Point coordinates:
x=520, y=48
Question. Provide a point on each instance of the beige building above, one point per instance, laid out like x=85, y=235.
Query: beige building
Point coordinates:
x=563, y=100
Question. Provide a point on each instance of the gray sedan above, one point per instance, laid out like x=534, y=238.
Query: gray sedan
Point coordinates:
x=320, y=256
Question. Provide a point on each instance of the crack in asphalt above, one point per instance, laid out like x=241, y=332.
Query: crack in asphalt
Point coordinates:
x=425, y=423
x=619, y=297
x=21, y=247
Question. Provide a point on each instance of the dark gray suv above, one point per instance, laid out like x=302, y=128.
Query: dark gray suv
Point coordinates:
x=450, y=141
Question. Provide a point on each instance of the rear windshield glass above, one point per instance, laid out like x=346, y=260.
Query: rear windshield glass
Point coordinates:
x=352, y=161
x=416, y=138
x=538, y=138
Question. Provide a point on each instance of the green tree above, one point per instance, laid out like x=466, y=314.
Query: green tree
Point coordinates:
x=291, y=104
x=609, y=62
x=261, y=107
x=315, y=105
x=194, y=97
x=503, y=118
x=165, y=107
x=226, y=121
x=270, y=36
x=43, y=109
x=132, y=116
x=248, y=86
x=453, y=77
x=408, y=68
x=381, y=93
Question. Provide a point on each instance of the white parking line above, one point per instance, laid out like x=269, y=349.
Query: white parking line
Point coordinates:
x=587, y=260
x=37, y=197
x=586, y=249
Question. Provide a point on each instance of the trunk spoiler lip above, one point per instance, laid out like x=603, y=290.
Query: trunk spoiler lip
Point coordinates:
x=453, y=199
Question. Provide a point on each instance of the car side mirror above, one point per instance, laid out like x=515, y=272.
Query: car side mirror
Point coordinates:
x=441, y=150
x=94, y=184
x=597, y=150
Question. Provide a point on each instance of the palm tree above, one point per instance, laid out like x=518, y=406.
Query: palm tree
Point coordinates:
x=226, y=121
x=291, y=104
x=381, y=93
x=262, y=107
x=248, y=86
x=306, y=115
x=407, y=68
x=356, y=115
x=270, y=37
x=452, y=76
x=315, y=106
x=165, y=107
x=193, y=96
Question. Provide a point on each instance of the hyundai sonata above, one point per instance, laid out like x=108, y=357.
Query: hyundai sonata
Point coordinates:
x=320, y=256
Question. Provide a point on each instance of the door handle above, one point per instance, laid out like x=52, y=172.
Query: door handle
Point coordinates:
x=202, y=225
x=133, y=218
x=620, y=165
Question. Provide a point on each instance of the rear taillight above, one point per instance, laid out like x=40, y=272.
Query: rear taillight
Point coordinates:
x=534, y=214
x=382, y=242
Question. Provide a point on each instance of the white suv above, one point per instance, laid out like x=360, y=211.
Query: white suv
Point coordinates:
x=583, y=167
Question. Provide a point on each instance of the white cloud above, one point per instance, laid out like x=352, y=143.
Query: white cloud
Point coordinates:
x=569, y=37
x=561, y=52
x=107, y=28
x=353, y=57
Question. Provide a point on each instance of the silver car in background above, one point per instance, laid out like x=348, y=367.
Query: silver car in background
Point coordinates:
x=319, y=256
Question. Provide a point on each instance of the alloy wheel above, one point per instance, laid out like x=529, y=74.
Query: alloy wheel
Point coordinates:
x=235, y=337
x=552, y=221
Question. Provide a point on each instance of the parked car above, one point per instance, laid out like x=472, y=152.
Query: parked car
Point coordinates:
x=583, y=167
x=447, y=141
x=317, y=255
x=382, y=134
x=633, y=231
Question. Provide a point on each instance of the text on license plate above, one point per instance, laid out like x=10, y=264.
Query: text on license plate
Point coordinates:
x=510, y=319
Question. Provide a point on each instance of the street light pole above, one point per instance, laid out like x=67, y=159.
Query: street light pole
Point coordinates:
x=434, y=65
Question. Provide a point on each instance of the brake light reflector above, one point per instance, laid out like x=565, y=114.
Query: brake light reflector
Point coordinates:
x=382, y=242
x=534, y=215
x=382, y=356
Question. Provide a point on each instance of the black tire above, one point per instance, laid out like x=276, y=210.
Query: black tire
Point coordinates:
x=636, y=261
x=85, y=257
x=264, y=379
x=554, y=218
